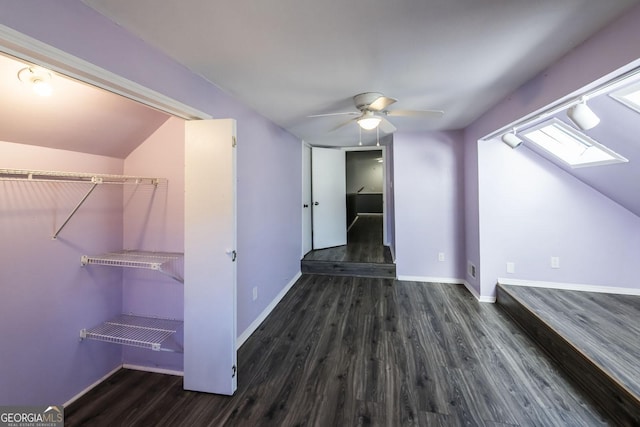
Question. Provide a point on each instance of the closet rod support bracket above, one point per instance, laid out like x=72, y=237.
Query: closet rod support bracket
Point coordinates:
x=73, y=212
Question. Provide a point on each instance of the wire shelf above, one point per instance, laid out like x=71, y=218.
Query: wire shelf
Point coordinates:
x=38, y=175
x=136, y=331
x=163, y=262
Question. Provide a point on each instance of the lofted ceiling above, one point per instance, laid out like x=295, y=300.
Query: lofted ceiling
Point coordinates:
x=289, y=59
x=75, y=117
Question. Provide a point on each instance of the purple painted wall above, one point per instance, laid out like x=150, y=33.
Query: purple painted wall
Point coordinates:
x=269, y=220
x=428, y=171
x=269, y=171
x=531, y=210
x=46, y=297
x=154, y=221
x=471, y=209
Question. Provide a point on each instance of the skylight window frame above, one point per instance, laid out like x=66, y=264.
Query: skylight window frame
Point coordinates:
x=579, y=138
x=621, y=95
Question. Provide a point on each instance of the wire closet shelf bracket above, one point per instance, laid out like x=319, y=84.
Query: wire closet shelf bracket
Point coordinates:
x=75, y=177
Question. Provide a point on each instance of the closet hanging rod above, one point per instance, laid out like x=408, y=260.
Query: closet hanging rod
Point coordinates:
x=57, y=176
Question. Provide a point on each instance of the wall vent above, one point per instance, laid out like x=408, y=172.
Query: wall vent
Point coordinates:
x=471, y=269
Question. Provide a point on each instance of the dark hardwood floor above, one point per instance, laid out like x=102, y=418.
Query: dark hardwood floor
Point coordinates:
x=347, y=351
x=593, y=336
x=364, y=255
x=364, y=244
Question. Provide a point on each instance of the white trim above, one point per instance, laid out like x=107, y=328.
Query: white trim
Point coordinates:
x=448, y=280
x=32, y=50
x=393, y=252
x=152, y=369
x=256, y=323
x=480, y=298
x=92, y=386
x=352, y=223
x=569, y=286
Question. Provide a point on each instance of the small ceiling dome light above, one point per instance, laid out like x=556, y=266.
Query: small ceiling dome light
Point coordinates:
x=582, y=116
x=369, y=121
x=511, y=139
x=38, y=78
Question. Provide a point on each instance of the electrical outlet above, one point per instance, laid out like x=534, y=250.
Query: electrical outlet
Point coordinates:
x=441, y=256
x=511, y=267
x=555, y=262
x=255, y=293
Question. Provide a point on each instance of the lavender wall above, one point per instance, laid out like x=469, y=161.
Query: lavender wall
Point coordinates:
x=532, y=210
x=154, y=221
x=269, y=220
x=269, y=175
x=45, y=296
x=428, y=171
x=471, y=209
x=562, y=216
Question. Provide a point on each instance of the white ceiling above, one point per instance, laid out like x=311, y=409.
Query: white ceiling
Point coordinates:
x=292, y=58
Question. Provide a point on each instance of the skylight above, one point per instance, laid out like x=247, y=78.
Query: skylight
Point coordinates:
x=570, y=146
x=629, y=96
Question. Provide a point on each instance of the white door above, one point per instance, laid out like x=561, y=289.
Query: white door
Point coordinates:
x=306, y=199
x=209, y=257
x=328, y=182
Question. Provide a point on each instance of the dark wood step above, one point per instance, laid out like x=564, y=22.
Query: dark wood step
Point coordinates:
x=356, y=269
x=593, y=337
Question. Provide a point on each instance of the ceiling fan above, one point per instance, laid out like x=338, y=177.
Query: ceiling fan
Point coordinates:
x=372, y=112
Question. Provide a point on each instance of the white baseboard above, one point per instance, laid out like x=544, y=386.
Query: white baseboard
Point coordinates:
x=425, y=279
x=569, y=286
x=93, y=385
x=256, y=323
x=480, y=298
x=352, y=223
x=448, y=280
x=154, y=370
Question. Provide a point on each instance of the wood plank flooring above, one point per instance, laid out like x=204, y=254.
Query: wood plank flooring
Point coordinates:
x=593, y=336
x=364, y=255
x=346, y=351
x=364, y=244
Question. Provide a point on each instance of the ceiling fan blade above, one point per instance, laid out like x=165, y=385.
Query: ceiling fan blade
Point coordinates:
x=343, y=124
x=386, y=126
x=416, y=113
x=344, y=113
x=381, y=103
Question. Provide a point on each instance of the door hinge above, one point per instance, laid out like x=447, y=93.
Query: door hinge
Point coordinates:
x=234, y=142
x=233, y=371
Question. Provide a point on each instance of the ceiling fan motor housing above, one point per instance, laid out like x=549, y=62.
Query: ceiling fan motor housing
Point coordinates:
x=364, y=100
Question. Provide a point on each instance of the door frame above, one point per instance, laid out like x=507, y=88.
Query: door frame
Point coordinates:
x=307, y=212
x=383, y=148
x=306, y=170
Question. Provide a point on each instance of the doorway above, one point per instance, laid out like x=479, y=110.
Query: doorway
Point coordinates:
x=364, y=253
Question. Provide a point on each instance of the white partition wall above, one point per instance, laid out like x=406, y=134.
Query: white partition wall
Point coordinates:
x=209, y=258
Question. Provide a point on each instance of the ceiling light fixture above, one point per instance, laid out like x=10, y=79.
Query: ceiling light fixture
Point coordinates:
x=368, y=121
x=511, y=139
x=38, y=78
x=582, y=116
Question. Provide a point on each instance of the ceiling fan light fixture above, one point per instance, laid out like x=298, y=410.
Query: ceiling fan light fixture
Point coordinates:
x=369, y=122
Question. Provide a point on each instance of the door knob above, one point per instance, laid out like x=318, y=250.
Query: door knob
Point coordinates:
x=316, y=203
